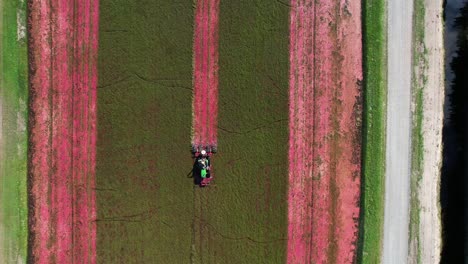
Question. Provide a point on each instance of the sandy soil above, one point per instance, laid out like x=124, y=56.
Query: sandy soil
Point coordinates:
x=398, y=159
x=433, y=98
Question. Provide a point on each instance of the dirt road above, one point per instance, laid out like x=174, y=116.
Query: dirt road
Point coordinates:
x=432, y=78
x=397, y=175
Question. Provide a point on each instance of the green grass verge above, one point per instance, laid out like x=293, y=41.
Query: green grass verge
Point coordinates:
x=14, y=98
x=373, y=147
x=417, y=141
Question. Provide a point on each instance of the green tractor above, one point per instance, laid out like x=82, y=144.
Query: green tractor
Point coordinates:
x=202, y=168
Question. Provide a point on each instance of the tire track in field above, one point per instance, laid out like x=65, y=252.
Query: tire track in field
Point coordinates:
x=204, y=78
x=213, y=71
x=196, y=75
x=325, y=114
x=63, y=56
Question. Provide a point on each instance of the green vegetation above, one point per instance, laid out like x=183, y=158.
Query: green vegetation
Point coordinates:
x=13, y=139
x=148, y=210
x=245, y=213
x=144, y=200
x=418, y=82
x=373, y=169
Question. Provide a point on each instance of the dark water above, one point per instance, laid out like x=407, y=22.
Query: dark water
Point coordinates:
x=455, y=163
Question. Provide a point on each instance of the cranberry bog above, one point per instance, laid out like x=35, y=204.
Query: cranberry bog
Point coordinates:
x=205, y=76
x=325, y=124
x=62, y=64
x=241, y=217
x=264, y=62
x=149, y=211
x=144, y=198
x=275, y=85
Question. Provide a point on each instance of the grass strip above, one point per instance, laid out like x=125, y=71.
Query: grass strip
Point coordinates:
x=418, y=82
x=373, y=167
x=14, y=97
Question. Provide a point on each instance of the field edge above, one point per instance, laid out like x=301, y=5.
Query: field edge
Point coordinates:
x=14, y=116
x=374, y=127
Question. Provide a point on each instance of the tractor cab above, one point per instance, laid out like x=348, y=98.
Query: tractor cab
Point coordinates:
x=202, y=168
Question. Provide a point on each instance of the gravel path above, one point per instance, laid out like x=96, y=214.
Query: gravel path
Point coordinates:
x=397, y=180
x=433, y=103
